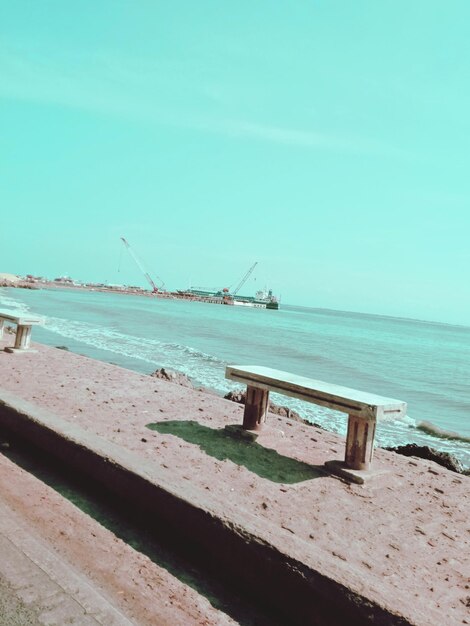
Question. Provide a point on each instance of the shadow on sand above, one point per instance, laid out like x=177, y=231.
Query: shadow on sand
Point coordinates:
x=221, y=445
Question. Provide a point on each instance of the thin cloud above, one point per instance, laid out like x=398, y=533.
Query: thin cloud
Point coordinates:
x=106, y=86
x=304, y=138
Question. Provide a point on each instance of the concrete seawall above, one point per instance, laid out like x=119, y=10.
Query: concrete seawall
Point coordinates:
x=300, y=593
x=310, y=552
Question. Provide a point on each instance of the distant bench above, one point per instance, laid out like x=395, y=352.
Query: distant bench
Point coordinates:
x=23, y=323
x=364, y=409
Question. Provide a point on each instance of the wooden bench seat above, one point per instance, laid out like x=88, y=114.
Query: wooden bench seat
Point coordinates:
x=23, y=322
x=364, y=409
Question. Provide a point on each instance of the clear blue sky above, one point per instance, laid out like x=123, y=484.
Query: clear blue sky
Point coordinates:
x=328, y=140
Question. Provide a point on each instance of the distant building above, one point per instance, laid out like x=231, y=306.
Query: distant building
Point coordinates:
x=64, y=280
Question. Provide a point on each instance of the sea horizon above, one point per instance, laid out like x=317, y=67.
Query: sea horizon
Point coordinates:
x=384, y=315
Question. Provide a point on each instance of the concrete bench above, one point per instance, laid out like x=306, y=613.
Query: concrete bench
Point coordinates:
x=363, y=409
x=23, y=322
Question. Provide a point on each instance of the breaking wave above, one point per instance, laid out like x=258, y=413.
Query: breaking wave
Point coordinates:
x=203, y=368
x=431, y=429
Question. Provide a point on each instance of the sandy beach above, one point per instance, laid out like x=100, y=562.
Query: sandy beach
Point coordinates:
x=400, y=542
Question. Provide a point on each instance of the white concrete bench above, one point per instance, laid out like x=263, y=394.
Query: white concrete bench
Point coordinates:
x=363, y=409
x=23, y=322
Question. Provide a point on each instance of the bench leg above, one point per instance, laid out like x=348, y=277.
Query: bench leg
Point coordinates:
x=359, y=443
x=256, y=408
x=23, y=337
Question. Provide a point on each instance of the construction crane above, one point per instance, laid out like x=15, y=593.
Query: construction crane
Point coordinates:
x=244, y=279
x=137, y=261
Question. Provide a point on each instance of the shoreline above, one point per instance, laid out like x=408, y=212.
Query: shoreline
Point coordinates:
x=341, y=531
x=422, y=433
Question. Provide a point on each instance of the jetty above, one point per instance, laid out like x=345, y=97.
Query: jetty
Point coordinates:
x=262, y=516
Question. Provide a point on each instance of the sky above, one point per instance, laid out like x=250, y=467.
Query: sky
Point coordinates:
x=326, y=139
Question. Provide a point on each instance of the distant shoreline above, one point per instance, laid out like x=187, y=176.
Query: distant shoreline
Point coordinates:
x=102, y=289
x=189, y=296
x=171, y=295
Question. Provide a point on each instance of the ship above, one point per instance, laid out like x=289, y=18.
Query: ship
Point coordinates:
x=263, y=299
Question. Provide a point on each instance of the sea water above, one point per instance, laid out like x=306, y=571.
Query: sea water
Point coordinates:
x=424, y=364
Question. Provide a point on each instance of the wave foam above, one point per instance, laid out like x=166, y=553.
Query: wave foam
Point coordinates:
x=200, y=366
x=11, y=303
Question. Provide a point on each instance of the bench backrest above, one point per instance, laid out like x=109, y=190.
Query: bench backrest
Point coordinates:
x=357, y=403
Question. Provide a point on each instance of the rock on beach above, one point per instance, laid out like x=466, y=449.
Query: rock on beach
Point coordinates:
x=431, y=454
x=171, y=376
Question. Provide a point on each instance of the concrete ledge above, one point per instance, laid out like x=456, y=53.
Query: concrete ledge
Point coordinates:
x=237, y=430
x=19, y=350
x=248, y=552
x=360, y=477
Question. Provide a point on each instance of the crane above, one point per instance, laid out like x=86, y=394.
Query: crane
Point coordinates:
x=244, y=279
x=137, y=261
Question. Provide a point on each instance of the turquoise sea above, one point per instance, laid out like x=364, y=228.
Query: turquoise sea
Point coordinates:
x=425, y=364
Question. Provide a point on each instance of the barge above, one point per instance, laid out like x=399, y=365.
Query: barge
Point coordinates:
x=264, y=299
